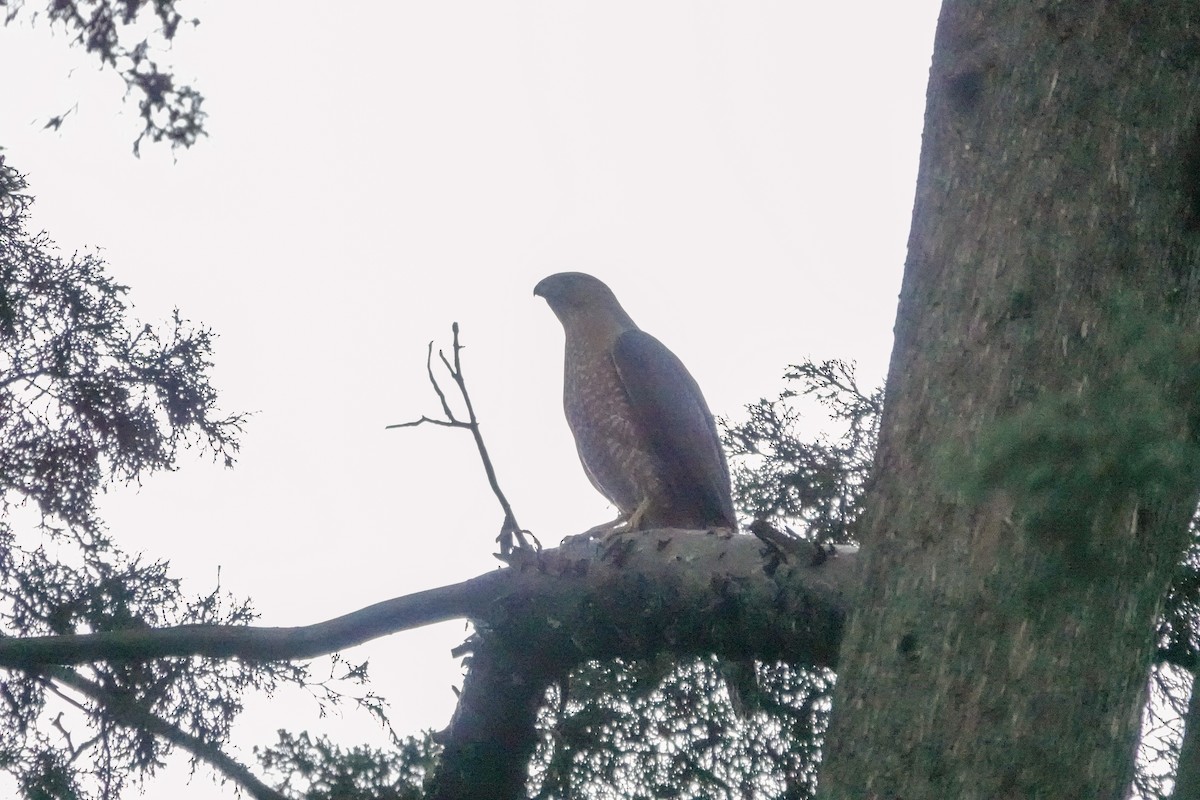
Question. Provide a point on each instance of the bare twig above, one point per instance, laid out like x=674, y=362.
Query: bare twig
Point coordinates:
x=66, y=734
x=509, y=528
x=433, y=379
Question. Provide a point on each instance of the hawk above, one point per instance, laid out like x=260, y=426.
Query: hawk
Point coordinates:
x=643, y=431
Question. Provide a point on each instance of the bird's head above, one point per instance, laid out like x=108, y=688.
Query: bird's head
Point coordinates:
x=577, y=296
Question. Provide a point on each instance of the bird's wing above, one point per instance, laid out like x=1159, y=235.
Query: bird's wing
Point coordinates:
x=668, y=404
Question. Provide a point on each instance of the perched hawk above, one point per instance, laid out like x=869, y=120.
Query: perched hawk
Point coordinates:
x=644, y=433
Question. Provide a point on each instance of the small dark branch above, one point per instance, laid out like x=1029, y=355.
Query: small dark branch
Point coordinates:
x=66, y=734
x=70, y=700
x=433, y=378
x=450, y=421
x=509, y=528
x=788, y=546
x=130, y=714
x=775, y=540
x=427, y=420
x=22, y=377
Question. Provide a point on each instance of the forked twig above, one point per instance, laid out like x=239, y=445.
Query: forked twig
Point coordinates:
x=509, y=529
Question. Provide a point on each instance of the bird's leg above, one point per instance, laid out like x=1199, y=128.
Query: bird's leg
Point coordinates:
x=635, y=519
x=601, y=531
x=610, y=530
x=607, y=531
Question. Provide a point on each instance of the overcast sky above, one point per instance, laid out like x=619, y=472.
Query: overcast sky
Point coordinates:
x=741, y=174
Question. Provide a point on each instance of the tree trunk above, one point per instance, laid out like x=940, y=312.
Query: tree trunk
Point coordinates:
x=492, y=736
x=1014, y=571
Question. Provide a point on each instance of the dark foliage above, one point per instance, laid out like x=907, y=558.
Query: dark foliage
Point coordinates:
x=316, y=769
x=109, y=29
x=1171, y=677
x=672, y=730
x=814, y=483
x=91, y=731
x=1162, y=731
x=622, y=730
x=1179, y=639
x=88, y=395
x=68, y=733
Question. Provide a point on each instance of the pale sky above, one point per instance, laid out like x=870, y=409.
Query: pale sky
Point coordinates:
x=741, y=174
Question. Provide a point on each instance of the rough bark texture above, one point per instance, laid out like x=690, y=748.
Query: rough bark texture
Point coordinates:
x=987, y=658
x=487, y=747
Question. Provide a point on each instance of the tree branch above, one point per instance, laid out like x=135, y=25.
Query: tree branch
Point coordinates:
x=129, y=713
x=123, y=34
x=665, y=590
x=509, y=528
x=250, y=642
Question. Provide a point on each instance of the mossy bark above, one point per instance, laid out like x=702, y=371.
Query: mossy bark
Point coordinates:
x=1003, y=638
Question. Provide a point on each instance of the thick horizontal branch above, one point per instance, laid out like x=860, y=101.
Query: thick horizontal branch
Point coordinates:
x=683, y=591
